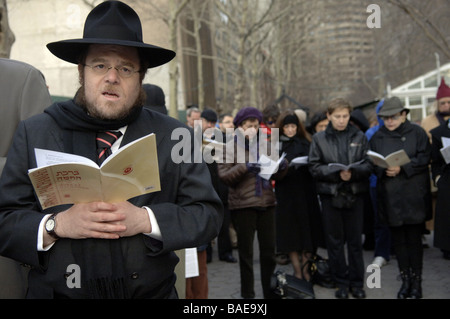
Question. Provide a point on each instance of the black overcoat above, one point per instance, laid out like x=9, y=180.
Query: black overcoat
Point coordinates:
x=187, y=209
x=440, y=168
x=298, y=221
x=405, y=198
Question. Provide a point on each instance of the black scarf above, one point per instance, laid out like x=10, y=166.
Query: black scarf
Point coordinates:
x=441, y=116
x=70, y=116
x=101, y=260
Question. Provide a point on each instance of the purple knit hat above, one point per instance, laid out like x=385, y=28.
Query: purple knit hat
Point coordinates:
x=246, y=113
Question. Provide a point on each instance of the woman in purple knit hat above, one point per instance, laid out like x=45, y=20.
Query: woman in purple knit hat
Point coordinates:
x=251, y=201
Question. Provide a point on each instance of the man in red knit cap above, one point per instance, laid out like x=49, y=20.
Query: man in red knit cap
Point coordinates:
x=441, y=115
x=443, y=109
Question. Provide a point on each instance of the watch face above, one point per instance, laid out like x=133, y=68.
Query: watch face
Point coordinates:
x=50, y=225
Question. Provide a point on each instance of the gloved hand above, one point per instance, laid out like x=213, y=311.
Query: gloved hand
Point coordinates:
x=283, y=165
x=254, y=168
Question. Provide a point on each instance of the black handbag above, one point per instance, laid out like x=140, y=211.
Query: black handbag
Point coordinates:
x=290, y=287
x=320, y=272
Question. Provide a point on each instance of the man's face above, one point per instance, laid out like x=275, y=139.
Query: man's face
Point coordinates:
x=110, y=95
x=227, y=122
x=207, y=124
x=444, y=105
x=195, y=116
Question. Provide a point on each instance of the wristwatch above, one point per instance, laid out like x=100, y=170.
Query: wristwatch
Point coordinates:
x=50, y=226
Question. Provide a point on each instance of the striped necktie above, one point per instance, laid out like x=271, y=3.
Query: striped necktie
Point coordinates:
x=104, y=142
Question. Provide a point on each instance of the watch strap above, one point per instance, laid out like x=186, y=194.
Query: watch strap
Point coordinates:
x=52, y=231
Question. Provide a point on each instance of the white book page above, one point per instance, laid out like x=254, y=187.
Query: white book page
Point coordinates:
x=269, y=166
x=300, y=160
x=46, y=158
x=191, y=261
x=445, y=142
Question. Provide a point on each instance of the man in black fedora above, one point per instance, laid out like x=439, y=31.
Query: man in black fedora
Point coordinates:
x=125, y=249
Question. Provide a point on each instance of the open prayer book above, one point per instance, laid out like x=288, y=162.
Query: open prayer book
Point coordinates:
x=269, y=166
x=62, y=178
x=397, y=158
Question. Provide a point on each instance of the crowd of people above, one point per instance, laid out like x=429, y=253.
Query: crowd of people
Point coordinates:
x=317, y=197
x=325, y=200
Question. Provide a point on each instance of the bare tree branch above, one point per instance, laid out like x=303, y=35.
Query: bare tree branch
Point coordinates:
x=422, y=22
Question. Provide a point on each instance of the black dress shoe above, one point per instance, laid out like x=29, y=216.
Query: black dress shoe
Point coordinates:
x=446, y=254
x=358, y=293
x=229, y=259
x=341, y=293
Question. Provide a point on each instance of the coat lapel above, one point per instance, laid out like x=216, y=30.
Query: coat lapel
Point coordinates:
x=84, y=144
x=144, y=125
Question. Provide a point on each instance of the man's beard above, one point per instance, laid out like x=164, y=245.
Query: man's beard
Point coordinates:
x=89, y=108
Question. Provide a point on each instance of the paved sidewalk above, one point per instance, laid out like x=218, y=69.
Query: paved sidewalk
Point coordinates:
x=224, y=278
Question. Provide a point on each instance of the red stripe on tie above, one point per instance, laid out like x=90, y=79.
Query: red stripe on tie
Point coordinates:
x=102, y=153
x=111, y=134
x=104, y=141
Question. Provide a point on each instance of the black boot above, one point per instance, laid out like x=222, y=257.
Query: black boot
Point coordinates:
x=416, y=286
x=404, y=291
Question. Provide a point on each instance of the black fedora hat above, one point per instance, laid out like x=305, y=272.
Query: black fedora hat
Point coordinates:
x=111, y=22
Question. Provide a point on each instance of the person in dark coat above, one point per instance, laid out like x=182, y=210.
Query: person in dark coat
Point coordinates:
x=124, y=249
x=297, y=209
x=403, y=192
x=319, y=122
x=358, y=119
x=382, y=249
x=156, y=99
x=341, y=193
x=441, y=177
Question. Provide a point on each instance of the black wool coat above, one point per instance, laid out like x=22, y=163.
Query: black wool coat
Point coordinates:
x=440, y=168
x=188, y=210
x=405, y=198
x=298, y=211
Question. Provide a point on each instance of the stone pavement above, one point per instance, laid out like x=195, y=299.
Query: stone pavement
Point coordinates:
x=224, y=278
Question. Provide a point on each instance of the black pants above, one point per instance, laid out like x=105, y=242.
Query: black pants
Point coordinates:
x=344, y=226
x=224, y=246
x=407, y=244
x=247, y=222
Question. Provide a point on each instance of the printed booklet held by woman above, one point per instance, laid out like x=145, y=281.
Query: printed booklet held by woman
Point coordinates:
x=397, y=158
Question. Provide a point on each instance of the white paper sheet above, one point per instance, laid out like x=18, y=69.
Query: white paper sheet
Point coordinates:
x=191, y=263
x=269, y=166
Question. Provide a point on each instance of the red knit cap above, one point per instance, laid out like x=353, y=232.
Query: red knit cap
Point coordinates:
x=443, y=91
